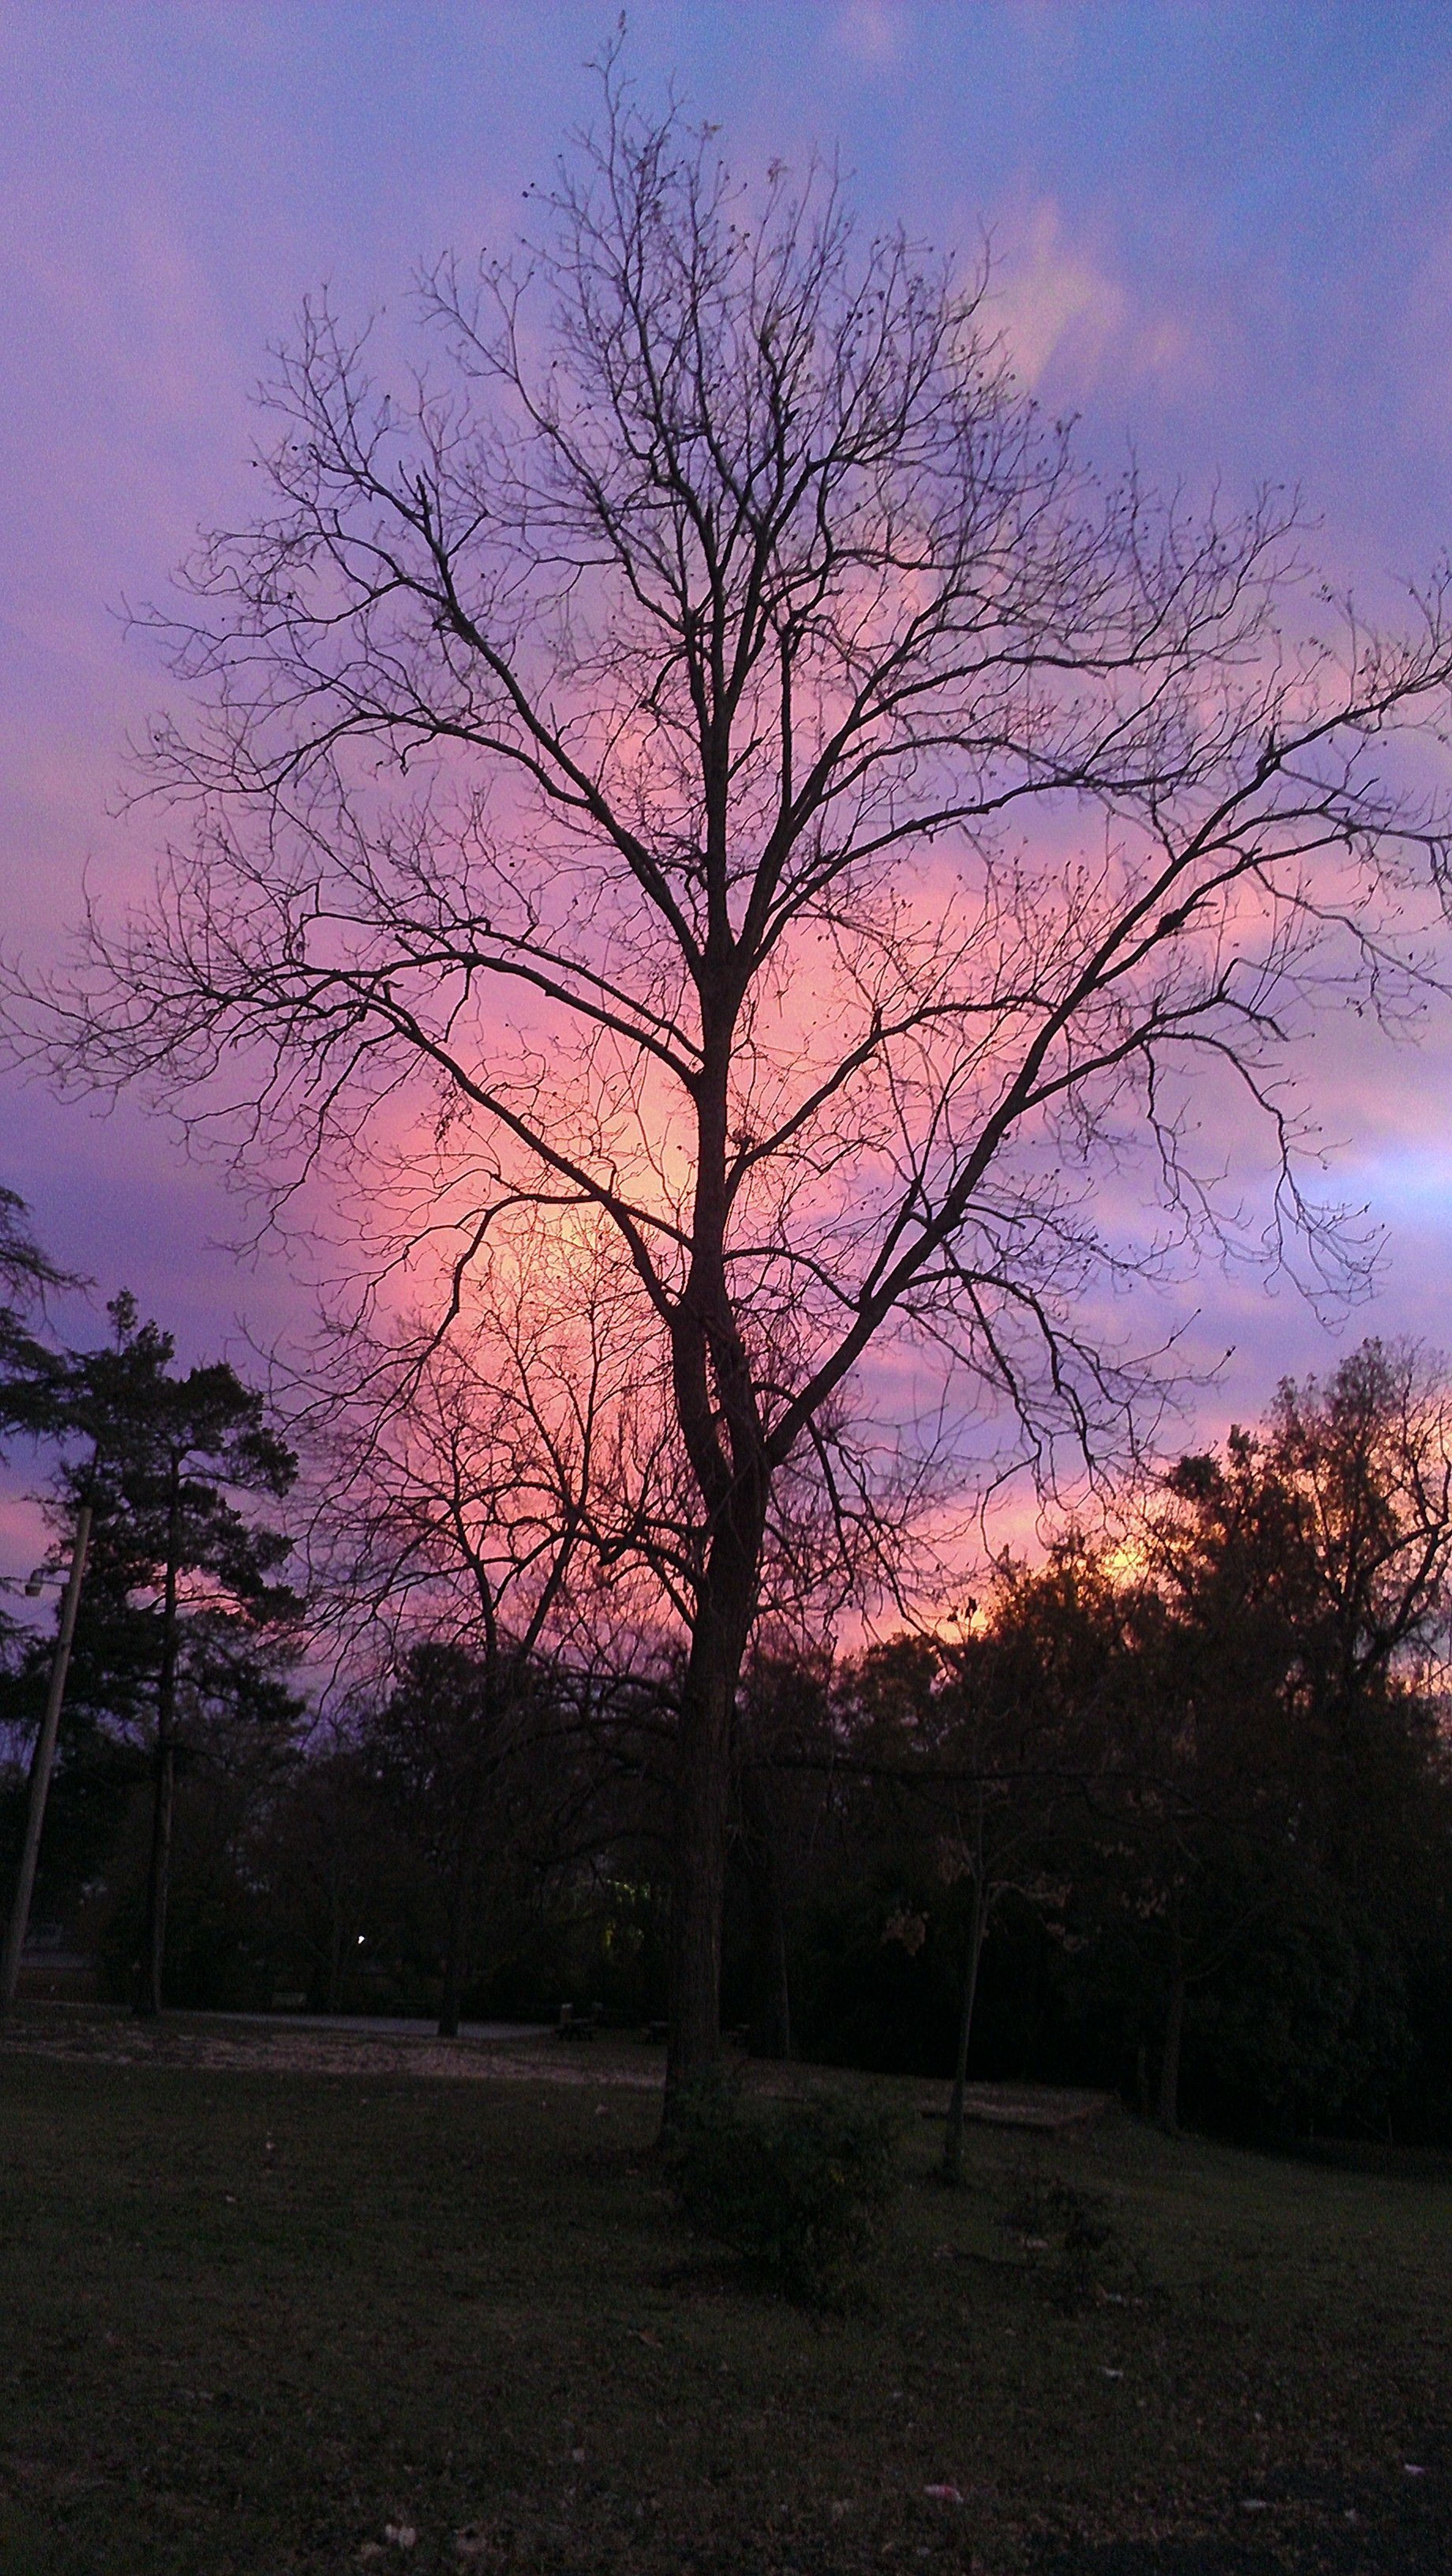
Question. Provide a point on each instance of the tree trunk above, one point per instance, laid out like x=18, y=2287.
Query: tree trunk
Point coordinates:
x=153, y=1954
x=41, y=1764
x=715, y=1403
x=953, y=2135
x=460, y=1909
x=333, y=1995
x=499, y=1698
x=1169, y=2102
x=777, y=2028
x=700, y=1825
x=149, y=2001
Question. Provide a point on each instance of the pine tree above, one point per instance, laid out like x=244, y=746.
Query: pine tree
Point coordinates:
x=185, y=1610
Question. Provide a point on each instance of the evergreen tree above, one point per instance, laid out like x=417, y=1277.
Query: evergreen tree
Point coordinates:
x=185, y=1614
x=26, y=1272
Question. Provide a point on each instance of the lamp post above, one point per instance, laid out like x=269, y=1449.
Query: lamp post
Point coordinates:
x=43, y=1760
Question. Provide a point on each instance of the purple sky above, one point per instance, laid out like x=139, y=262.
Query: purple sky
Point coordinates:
x=1224, y=232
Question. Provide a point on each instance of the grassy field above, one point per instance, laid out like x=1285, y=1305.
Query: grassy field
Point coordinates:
x=250, y=2320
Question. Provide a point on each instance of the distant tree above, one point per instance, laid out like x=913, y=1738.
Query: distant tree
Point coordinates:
x=26, y=1362
x=183, y=1609
x=784, y=1743
x=27, y=1274
x=1308, y=1570
x=1026, y=1732
x=31, y=1400
x=462, y=1487
x=998, y=1731
x=328, y=1859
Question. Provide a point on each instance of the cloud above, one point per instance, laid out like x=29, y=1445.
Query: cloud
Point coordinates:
x=874, y=32
x=1062, y=313
x=1052, y=299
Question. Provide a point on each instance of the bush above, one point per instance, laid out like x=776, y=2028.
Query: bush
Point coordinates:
x=1088, y=2242
x=798, y=2189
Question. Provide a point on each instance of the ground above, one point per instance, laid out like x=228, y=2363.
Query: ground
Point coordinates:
x=286, y=2312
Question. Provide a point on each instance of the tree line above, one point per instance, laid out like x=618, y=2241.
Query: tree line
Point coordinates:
x=1167, y=1807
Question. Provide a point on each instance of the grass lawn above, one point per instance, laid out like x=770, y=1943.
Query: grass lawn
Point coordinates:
x=251, y=2319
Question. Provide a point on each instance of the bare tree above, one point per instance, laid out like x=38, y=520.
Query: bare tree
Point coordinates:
x=458, y=1488
x=875, y=825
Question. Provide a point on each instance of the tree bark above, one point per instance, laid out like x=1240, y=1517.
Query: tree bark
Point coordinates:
x=953, y=2135
x=701, y=1821
x=153, y=1955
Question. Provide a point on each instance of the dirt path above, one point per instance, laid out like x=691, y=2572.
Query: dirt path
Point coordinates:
x=212, y=2044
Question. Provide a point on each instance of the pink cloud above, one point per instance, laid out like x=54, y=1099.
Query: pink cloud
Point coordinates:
x=873, y=32
x=1063, y=313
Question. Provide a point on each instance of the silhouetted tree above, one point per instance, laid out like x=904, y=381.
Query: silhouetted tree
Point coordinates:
x=27, y=1274
x=183, y=1606
x=876, y=825
x=1307, y=1572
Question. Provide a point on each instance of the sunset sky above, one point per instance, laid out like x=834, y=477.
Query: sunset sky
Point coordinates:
x=1222, y=233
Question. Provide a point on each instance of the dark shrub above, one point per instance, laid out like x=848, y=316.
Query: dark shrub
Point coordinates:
x=799, y=2189
x=1088, y=2242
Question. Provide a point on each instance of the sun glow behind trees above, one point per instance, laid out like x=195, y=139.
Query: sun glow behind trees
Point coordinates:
x=693, y=660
